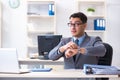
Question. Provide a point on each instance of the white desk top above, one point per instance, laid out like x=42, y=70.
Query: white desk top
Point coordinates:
x=41, y=62
x=70, y=73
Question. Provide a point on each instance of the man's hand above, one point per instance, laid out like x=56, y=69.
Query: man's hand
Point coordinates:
x=71, y=52
x=70, y=45
x=71, y=49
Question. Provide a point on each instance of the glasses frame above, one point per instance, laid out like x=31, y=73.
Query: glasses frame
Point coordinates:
x=74, y=24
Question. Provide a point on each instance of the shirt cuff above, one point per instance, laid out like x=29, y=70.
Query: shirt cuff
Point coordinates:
x=59, y=52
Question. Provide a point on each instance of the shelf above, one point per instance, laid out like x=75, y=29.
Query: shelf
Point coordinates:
x=92, y=1
x=40, y=16
x=42, y=29
x=100, y=7
x=95, y=16
x=40, y=1
x=39, y=21
x=95, y=31
x=41, y=32
x=32, y=46
x=40, y=7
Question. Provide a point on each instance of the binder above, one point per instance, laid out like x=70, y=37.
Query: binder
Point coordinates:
x=99, y=24
x=100, y=69
x=51, y=9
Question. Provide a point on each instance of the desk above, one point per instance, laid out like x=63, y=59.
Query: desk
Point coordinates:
x=41, y=62
x=55, y=74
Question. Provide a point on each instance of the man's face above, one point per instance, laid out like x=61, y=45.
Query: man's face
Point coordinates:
x=76, y=27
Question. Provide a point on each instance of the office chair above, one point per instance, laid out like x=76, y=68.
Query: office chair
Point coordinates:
x=106, y=59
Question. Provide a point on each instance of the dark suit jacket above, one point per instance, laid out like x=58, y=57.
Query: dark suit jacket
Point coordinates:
x=94, y=49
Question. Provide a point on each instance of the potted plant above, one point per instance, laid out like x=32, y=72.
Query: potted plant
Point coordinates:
x=90, y=11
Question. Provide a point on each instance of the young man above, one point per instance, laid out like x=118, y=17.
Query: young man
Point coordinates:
x=85, y=51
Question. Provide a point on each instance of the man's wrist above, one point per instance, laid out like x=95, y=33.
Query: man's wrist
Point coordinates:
x=82, y=50
x=79, y=50
x=61, y=50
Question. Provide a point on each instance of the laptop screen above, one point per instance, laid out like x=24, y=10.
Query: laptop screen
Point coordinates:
x=9, y=60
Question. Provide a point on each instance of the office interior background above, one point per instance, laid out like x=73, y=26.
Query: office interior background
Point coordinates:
x=14, y=22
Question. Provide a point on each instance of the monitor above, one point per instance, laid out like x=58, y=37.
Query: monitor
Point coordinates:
x=46, y=43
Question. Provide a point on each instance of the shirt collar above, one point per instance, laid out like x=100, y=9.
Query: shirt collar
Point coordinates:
x=80, y=38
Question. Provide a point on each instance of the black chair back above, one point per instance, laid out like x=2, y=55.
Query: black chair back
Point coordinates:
x=106, y=59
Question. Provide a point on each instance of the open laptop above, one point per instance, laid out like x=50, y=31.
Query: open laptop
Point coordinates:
x=9, y=61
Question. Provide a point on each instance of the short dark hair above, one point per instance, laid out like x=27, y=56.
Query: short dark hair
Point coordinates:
x=80, y=15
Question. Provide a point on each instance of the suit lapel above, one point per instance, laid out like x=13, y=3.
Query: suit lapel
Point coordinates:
x=83, y=43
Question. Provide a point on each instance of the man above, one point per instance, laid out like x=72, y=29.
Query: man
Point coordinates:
x=85, y=51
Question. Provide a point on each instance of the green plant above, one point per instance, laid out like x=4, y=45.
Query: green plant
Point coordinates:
x=91, y=10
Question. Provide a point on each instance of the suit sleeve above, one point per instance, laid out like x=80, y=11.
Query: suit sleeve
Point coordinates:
x=96, y=48
x=55, y=54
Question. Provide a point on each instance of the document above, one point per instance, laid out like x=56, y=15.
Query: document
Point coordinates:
x=100, y=69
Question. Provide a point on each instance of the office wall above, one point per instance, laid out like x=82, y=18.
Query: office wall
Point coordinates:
x=15, y=21
x=14, y=25
x=113, y=29
x=64, y=10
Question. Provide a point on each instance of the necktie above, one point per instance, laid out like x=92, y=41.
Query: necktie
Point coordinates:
x=76, y=42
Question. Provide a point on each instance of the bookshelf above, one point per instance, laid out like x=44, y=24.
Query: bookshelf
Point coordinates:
x=100, y=7
x=41, y=19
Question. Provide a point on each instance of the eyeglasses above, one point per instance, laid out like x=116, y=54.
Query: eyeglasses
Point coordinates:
x=74, y=24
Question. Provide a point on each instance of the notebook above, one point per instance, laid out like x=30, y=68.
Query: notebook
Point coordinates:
x=41, y=70
x=9, y=61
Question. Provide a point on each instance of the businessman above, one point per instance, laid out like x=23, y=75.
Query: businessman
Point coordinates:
x=80, y=48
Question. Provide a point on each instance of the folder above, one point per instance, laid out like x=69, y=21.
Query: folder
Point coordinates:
x=51, y=9
x=100, y=69
x=99, y=24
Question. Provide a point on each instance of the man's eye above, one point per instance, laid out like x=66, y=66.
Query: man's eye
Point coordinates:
x=77, y=23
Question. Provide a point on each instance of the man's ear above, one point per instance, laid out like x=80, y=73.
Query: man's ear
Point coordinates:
x=85, y=25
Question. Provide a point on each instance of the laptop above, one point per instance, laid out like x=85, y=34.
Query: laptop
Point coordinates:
x=9, y=61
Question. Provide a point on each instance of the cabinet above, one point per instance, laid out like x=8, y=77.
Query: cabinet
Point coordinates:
x=41, y=19
x=100, y=7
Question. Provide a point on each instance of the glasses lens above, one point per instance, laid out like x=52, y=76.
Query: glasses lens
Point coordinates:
x=74, y=24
